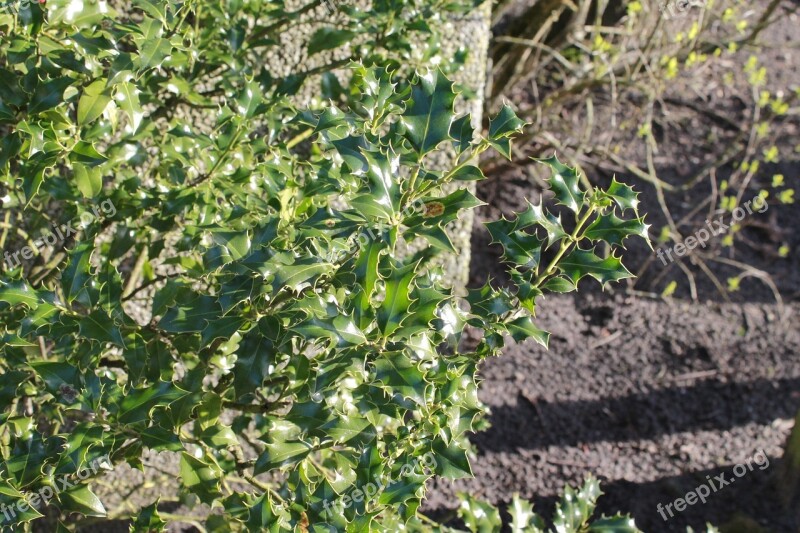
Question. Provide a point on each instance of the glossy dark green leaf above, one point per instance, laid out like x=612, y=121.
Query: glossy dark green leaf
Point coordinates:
x=429, y=114
x=88, y=179
x=148, y=520
x=613, y=230
x=559, y=285
x=280, y=454
x=201, y=477
x=262, y=516
x=10, y=498
x=59, y=377
x=192, y=315
x=400, y=375
x=93, y=101
x=49, y=94
x=82, y=500
x=479, y=516
x=19, y=292
x=397, y=300
x=451, y=461
x=86, y=154
x=462, y=133
x=301, y=272
x=439, y=211
x=537, y=215
x=523, y=328
x=383, y=198
x=342, y=331
x=564, y=182
x=576, y=507
x=76, y=277
x=469, y=173
x=127, y=98
x=139, y=403
x=523, y=249
x=580, y=263
x=623, y=195
x=505, y=124
x=98, y=326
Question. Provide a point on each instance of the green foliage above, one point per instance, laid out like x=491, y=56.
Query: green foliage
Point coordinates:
x=235, y=291
x=573, y=514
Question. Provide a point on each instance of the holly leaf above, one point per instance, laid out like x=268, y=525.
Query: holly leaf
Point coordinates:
x=342, y=331
x=401, y=376
x=468, y=173
x=394, y=308
x=201, y=478
x=300, y=273
x=19, y=292
x=537, y=215
x=366, y=270
x=441, y=211
x=82, y=500
x=429, y=113
x=137, y=404
x=89, y=180
x=523, y=328
x=523, y=249
x=127, y=98
x=462, y=133
x=49, y=94
x=559, y=285
x=523, y=519
x=564, y=183
x=576, y=507
x=505, y=124
x=99, y=327
x=623, y=195
x=383, y=198
x=191, y=315
x=614, y=230
x=94, y=100
x=9, y=499
x=451, y=460
x=281, y=454
x=579, y=263
x=478, y=516
x=148, y=520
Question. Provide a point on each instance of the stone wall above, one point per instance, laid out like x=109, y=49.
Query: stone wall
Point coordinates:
x=126, y=489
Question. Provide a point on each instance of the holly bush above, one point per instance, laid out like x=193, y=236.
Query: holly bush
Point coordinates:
x=198, y=266
x=573, y=513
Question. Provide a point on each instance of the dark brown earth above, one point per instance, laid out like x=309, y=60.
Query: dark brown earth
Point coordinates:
x=653, y=395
